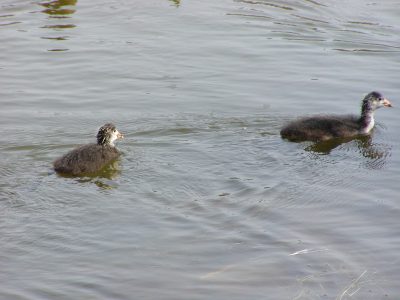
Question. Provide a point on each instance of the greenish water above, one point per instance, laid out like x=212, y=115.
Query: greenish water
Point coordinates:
x=207, y=201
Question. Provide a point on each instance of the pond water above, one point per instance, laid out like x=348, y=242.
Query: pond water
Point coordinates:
x=207, y=201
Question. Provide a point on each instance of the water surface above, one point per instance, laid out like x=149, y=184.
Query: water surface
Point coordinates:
x=207, y=201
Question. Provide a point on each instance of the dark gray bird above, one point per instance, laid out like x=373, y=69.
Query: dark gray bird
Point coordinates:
x=321, y=128
x=91, y=158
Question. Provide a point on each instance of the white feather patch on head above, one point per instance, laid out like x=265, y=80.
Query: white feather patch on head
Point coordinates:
x=114, y=136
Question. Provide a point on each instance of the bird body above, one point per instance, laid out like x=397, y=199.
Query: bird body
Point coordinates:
x=325, y=127
x=91, y=158
x=320, y=128
x=86, y=159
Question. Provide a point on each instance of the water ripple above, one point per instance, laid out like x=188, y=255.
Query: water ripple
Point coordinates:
x=325, y=24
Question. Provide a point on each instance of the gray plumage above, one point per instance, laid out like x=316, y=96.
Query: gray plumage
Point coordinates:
x=321, y=128
x=91, y=158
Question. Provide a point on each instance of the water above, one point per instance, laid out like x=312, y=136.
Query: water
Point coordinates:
x=207, y=201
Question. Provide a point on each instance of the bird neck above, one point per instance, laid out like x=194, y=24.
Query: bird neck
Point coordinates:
x=367, y=121
x=105, y=143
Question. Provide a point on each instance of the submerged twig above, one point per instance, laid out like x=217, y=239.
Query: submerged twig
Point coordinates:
x=352, y=285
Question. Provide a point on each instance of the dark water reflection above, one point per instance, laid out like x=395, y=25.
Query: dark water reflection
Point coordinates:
x=59, y=10
x=56, y=9
x=176, y=2
x=109, y=172
x=365, y=145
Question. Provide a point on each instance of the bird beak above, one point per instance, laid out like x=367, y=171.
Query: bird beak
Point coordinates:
x=387, y=103
x=120, y=135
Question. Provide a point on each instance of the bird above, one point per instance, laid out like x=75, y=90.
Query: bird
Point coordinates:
x=91, y=158
x=326, y=127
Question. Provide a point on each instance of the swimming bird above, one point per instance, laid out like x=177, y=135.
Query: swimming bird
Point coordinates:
x=325, y=127
x=91, y=158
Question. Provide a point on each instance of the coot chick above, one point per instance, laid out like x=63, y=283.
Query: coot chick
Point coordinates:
x=91, y=158
x=321, y=128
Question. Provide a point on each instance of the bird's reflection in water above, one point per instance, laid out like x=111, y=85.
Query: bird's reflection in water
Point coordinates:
x=375, y=153
x=104, y=179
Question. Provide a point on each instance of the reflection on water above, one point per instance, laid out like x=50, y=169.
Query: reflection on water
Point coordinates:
x=58, y=10
x=375, y=153
x=60, y=38
x=325, y=147
x=176, y=2
x=109, y=173
x=10, y=23
x=63, y=26
x=102, y=183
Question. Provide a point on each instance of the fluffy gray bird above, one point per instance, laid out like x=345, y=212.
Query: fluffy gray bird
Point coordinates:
x=321, y=128
x=91, y=158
